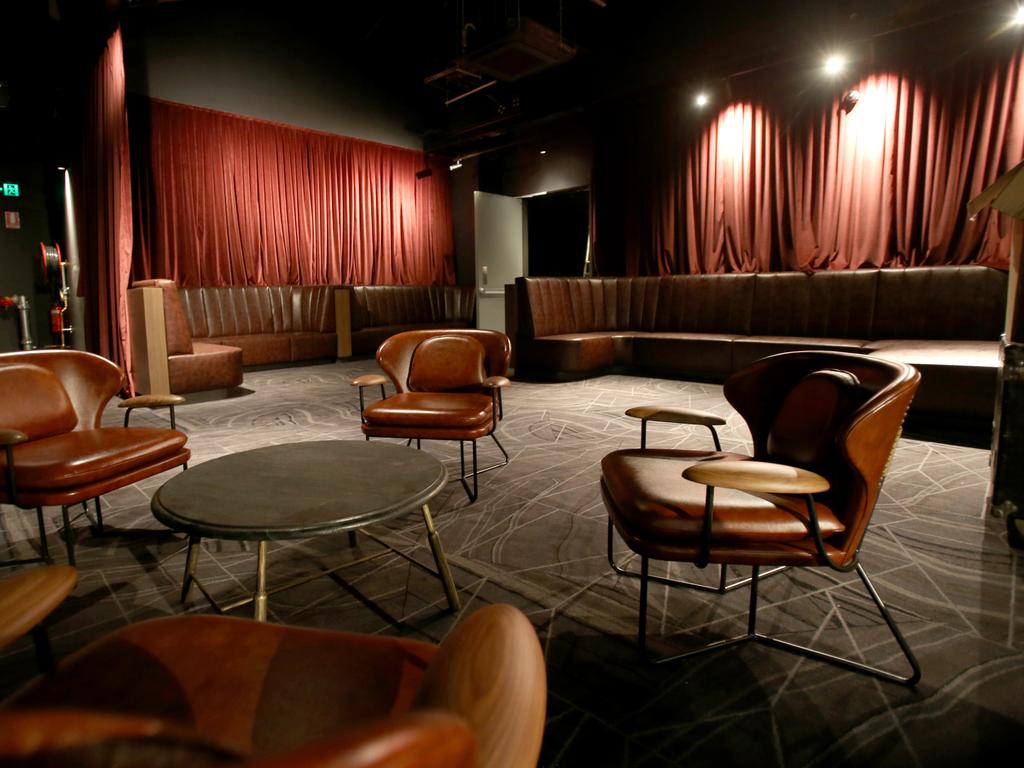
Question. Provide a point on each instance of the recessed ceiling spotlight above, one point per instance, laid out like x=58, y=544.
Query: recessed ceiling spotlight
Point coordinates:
x=543, y=151
x=834, y=64
x=701, y=99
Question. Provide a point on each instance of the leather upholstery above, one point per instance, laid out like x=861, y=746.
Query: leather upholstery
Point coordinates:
x=83, y=460
x=395, y=355
x=835, y=413
x=25, y=386
x=446, y=364
x=380, y=311
x=269, y=323
x=243, y=688
x=193, y=366
x=944, y=320
x=439, y=382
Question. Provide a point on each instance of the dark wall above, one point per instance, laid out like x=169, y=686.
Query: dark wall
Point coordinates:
x=27, y=158
x=265, y=61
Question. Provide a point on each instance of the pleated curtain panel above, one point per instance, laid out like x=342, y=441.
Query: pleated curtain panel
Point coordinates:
x=222, y=199
x=768, y=182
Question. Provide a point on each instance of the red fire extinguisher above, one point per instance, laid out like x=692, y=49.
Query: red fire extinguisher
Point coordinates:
x=57, y=319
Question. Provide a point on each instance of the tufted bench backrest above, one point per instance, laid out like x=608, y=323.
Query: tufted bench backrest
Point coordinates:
x=405, y=305
x=252, y=309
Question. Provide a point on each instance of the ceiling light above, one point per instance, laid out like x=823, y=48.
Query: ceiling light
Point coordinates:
x=1018, y=16
x=834, y=64
x=455, y=166
x=543, y=151
x=701, y=99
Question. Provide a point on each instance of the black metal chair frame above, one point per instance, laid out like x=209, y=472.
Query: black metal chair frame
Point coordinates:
x=753, y=635
x=497, y=414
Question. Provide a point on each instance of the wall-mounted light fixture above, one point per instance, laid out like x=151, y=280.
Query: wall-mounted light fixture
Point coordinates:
x=702, y=99
x=455, y=166
x=850, y=100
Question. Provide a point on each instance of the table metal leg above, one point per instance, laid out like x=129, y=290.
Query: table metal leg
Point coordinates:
x=191, y=560
x=441, y=561
x=259, y=598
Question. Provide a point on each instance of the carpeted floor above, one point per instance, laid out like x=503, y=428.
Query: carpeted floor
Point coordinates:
x=536, y=539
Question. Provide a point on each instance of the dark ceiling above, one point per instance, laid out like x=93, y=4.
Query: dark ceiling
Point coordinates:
x=441, y=55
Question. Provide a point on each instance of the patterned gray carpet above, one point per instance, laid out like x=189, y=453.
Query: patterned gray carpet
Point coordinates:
x=536, y=539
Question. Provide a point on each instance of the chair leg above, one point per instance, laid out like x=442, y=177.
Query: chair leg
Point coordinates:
x=856, y=666
x=812, y=653
x=96, y=520
x=191, y=560
x=44, y=548
x=69, y=535
x=723, y=572
x=44, y=654
x=471, y=493
x=443, y=570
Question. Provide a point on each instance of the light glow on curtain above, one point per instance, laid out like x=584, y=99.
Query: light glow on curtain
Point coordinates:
x=767, y=187
x=228, y=200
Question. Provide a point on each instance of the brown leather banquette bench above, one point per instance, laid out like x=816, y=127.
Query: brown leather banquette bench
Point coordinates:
x=380, y=311
x=195, y=339
x=946, y=321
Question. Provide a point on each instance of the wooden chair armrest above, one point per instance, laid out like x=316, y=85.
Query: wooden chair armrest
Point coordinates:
x=369, y=380
x=756, y=477
x=496, y=382
x=12, y=437
x=29, y=596
x=675, y=415
x=427, y=739
x=151, y=401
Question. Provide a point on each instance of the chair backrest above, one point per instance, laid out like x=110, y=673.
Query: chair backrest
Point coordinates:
x=34, y=401
x=89, y=381
x=447, y=364
x=395, y=355
x=836, y=413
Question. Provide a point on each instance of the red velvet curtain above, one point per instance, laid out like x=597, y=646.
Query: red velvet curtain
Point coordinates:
x=229, y=200
x=759, y=187
x=105, y=207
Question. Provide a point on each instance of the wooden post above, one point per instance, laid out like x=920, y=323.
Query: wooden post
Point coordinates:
x=148, y=334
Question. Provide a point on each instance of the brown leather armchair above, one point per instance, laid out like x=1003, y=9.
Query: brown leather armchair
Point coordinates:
x=56, y=452
x=447, y=387
x=823, y=426
x=194, y=690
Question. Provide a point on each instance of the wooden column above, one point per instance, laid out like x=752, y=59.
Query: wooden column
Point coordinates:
x=149, y=340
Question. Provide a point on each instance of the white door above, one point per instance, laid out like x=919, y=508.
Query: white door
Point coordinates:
x=500, y=254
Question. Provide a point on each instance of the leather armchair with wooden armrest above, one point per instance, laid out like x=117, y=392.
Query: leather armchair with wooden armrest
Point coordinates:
x=448, y=386
x=192, y=690
x=823, y=426
x=56, y=451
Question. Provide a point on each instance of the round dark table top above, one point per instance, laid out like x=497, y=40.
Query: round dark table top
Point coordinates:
x=296, y=490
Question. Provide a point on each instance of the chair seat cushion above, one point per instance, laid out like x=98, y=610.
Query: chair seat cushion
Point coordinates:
x=87, y=456
x=452, y=410
x=652, y=502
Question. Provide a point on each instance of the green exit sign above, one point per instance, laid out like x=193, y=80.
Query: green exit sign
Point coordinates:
x=11, y=190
